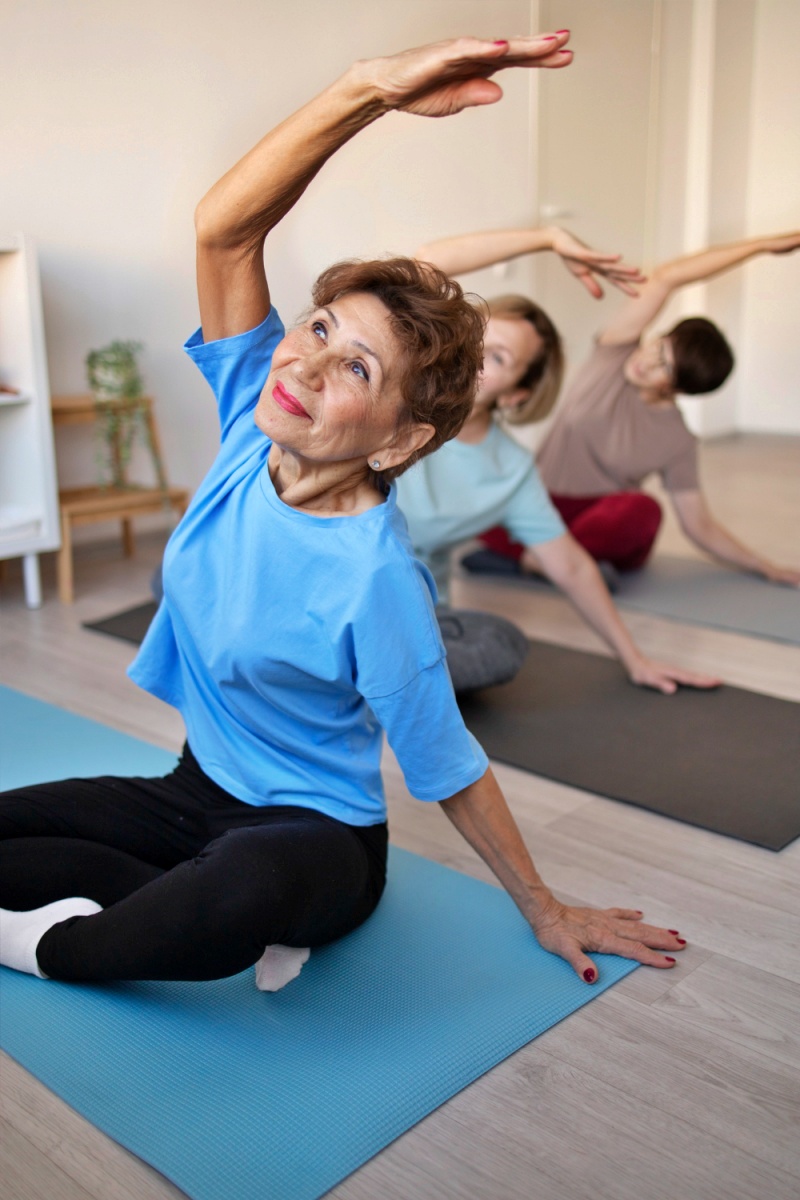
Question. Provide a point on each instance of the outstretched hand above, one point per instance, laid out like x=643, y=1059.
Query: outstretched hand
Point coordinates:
x=788, y=576
x=573, y=933
x=443, y=78
x=587, y=265
x=647, y=672
x=785, y=244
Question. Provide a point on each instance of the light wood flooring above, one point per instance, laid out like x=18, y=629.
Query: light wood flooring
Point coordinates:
x=681, y=1085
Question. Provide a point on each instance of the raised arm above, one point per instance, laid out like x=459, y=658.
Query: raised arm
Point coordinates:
x=234, y=218
x=471, y=251
x=633, y=318
x=482, y=817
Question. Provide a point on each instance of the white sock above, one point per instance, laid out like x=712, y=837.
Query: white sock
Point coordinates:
x=21, y=932
x=278, y=966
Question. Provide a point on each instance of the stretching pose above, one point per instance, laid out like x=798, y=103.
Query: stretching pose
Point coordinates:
x=619, y=423
x=295, y=621
x=484, y=478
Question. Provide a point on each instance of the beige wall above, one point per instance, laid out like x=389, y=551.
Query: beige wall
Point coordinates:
x=118, y=116
x=769, y=357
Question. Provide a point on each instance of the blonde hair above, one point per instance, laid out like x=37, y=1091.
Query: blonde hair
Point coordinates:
x=544, y=375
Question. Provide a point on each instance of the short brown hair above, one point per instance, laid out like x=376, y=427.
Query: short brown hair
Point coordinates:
x=544, y=375
x=703, y=358
x=440, y=331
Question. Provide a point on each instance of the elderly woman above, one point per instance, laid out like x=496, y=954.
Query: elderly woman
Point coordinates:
x=295, y=622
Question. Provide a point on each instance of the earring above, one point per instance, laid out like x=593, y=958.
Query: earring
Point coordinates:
x=375, y=464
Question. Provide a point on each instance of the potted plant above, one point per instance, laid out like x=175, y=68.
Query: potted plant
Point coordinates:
x=116, y=384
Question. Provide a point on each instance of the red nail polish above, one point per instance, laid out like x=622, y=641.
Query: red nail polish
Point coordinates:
x=500, y=42
x=667, y=957
x=551, y=37
x=674, y=931
x=682, y=941
x=588, y=975
x=560, y=31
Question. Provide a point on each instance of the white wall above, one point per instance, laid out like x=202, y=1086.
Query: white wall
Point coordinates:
x=120, y=116
x=769, y=358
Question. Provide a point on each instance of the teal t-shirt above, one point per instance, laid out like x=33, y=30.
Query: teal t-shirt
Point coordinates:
x=464, y=489
x=288, y=641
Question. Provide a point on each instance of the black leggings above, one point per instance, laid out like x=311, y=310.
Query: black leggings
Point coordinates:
x=193, y=883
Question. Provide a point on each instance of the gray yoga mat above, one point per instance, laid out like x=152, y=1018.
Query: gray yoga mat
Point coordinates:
x=683, y=589
x=701, y=593
x=727, y=760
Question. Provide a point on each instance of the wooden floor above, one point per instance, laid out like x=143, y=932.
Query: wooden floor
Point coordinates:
x=681, y=1085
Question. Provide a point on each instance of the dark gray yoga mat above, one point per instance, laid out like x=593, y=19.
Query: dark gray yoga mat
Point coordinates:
x=130, y=625
x=727, y=760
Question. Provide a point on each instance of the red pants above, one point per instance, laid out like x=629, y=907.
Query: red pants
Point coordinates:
x=619, y=528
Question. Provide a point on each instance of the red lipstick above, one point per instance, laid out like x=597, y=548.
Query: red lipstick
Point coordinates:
x=288, y=402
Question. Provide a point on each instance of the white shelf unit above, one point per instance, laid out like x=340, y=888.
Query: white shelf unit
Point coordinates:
x=29, y=514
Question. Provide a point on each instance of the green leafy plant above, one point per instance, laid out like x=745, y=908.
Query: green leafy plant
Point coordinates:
x=116, y=384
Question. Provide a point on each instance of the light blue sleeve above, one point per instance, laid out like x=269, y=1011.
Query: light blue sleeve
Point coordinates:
x=237, y=367
x=530, y=516
x=437, y=754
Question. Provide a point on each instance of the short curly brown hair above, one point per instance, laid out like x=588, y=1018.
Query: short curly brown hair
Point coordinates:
x=440, y=332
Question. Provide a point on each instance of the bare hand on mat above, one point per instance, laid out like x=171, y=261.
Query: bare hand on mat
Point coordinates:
x=571, y=932
x=481, y=815
x=647, y=672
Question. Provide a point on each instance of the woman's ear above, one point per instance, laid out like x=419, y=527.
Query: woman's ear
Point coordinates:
x=404, y=443
x=513, y=398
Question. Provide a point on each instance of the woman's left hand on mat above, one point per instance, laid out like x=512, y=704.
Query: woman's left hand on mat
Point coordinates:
x=571, y=932
x=646, y=672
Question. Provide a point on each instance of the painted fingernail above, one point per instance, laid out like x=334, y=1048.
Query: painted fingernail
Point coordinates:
x=550, y=37
x=588, y=975
x=667, y=957
x=500, y=42
x=682, y=941
x=560, y=31
x=674, y=931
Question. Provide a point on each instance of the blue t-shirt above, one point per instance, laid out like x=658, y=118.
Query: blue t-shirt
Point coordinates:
x=464, y=489
x=287, y=640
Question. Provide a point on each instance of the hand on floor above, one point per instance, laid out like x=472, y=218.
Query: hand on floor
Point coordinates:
x=571, y=932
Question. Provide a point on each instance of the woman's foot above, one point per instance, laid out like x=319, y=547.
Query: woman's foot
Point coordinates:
x=21, y=932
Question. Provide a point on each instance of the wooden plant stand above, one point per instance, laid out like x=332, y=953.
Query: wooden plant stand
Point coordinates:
x=87, y=505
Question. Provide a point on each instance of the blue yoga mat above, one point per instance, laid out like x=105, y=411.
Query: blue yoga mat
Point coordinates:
x=234, y=1093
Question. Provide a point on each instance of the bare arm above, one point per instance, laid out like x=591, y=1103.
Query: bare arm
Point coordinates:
x=471, y=251
x=633, y=318
x=482, y=817
x=699, y=524
x=568, y=565
x=234, y=218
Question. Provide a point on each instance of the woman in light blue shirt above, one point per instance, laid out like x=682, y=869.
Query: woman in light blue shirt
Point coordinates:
x=296, y=624
x=483, y=478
